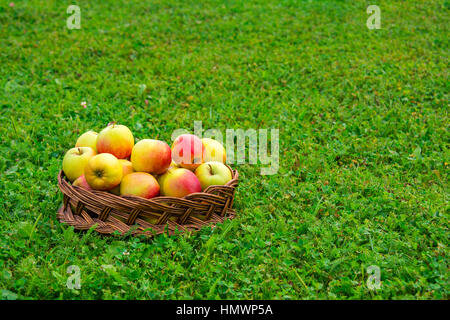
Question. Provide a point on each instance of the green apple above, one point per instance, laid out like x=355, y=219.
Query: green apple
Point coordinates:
x=75, y=160
x=213, y=173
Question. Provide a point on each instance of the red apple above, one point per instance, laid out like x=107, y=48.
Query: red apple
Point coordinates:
x=187, y=151
x=178, y=182
x=81, y=182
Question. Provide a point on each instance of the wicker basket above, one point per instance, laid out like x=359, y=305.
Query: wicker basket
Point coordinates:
x=84, y=209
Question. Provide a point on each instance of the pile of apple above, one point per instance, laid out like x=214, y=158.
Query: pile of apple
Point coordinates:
x=111, y=161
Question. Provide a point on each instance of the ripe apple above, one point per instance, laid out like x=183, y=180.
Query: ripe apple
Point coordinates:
x=173, y=165
x=103, y=171
x=88, y=139
x=75, y=160
x=81, y=182
x=117, y=140
x=178, y=182
x=127, y=168
x=187, y=151
x=213, y=173
x=140, y=184
x=152, y=156
x=214, y=151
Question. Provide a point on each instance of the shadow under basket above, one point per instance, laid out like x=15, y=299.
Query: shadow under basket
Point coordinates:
x=84, y=209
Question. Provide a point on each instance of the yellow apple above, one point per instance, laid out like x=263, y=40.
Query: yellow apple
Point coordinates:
x=103, y=172
x=127, y=168
x=88, y=139
x=214, y=151
x=75, y=160
x=116, y=140
x=173, y=165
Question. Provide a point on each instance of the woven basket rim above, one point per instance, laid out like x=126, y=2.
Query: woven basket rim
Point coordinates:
x=84, y=209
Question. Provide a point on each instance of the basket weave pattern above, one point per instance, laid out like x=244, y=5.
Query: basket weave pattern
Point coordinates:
x=84, y=209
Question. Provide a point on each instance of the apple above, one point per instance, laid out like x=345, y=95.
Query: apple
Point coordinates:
x=213, y=173
x=116, y=140
x=178, y=182
x=140, y=184
x=88, y=139
x=103, y=171
x=187, y=151
x=75, y=160
x=214, y=151
x=173, y=165
x=81, y=182
x=152, y=156
x=127, y=168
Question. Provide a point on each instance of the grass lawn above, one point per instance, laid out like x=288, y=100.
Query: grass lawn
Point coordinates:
x=364, y=157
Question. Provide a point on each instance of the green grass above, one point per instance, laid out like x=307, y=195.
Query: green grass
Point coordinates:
x=364, y=157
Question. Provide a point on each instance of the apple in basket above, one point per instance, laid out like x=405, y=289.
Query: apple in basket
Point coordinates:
x=151, y=156
x=75, y=160
x=187, y=151
x=116, y=140
x=88, y=139
x=213, y=151
x=140, y=184
x=127, y=168
x=103, y=172
x=81, y=182
x=178, y=182
x=213, y=173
